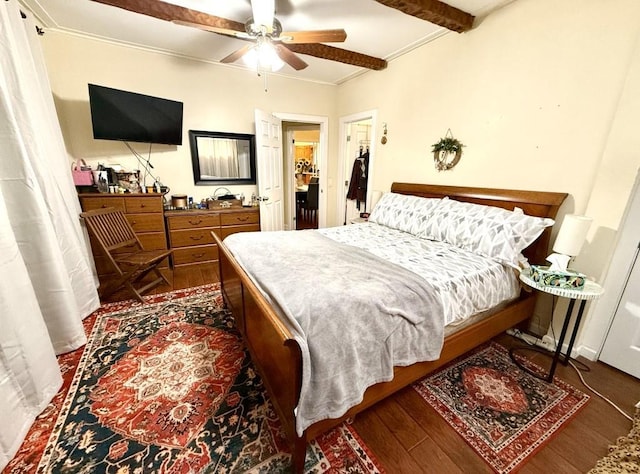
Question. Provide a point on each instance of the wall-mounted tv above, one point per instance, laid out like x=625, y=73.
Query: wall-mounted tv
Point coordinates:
x=128, y=116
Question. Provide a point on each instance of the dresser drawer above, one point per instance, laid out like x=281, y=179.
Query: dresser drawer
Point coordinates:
x=194, y=221
x=143, y=204
x=189, y=237
x=146, y=222
x=153, y=240
x=92, y=203
x=237, y=218
x=198, y=254
x=232, y=229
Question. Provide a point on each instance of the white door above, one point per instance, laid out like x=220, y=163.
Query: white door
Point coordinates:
x=622, y=346
x=269, y=170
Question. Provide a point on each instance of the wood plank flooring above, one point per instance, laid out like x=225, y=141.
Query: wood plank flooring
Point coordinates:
x=408, y=436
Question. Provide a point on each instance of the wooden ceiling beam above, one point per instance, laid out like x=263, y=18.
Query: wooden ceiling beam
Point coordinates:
x=340, y=55
x=435, y=12
x=169, y=12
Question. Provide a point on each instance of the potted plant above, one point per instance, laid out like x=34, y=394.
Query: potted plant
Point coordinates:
x=447, y=152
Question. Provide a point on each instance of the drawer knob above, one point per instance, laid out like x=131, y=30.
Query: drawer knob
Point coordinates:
x=196, y=238
x=195, y=222
x=197, y=255
x=243, y=219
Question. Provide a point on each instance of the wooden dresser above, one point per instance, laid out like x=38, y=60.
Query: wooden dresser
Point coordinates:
x=190, y=231
x=145, y=212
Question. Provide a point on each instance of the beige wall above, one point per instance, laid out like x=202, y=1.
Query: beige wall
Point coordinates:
x=543, y=95
x=215, y=97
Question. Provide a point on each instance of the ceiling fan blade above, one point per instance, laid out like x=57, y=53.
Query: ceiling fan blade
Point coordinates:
x=288, y=57
x=215, y=29
x=263, y=13
x=332, y=53
x=233, y=57
x=316, y=36
x=170, y=12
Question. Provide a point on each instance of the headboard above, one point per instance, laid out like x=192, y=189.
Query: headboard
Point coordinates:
x=533, y=203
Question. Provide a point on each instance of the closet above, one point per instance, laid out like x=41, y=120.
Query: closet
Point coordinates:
x=356, y=170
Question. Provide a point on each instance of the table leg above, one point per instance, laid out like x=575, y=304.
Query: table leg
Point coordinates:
x=563, y=334
x=576, y=325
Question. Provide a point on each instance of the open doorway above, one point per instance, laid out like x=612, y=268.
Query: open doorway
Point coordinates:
x=306, y=171
x=357, y=150
x=304, y=168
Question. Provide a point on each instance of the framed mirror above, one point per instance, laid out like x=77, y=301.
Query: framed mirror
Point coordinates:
x=223, y=158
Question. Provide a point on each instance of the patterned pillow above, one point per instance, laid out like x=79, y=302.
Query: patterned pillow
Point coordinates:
x=400, y=211
x=486, y=230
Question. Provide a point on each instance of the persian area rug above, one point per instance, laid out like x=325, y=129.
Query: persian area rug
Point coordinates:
x=168, y=387
x=505, y=414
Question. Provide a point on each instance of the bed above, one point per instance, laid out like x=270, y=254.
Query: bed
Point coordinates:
x=282, y=359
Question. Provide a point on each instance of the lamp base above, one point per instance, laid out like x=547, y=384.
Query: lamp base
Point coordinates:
x=569, y=279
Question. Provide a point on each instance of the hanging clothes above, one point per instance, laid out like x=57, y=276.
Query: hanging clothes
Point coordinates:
x=359, y=177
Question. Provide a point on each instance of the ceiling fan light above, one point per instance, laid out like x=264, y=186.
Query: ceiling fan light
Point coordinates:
x=263, y=57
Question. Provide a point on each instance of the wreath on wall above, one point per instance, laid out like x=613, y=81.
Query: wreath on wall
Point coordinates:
x=447, y=152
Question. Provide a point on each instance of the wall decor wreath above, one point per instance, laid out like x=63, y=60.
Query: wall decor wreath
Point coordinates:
x=447, y=152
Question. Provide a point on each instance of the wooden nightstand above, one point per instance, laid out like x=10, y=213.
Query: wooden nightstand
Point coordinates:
x=591, y=291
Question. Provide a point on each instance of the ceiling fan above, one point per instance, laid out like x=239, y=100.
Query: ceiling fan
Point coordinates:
x=262, y=30
x=265, y=32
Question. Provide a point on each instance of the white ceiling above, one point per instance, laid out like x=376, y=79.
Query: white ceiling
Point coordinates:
x=371, y=27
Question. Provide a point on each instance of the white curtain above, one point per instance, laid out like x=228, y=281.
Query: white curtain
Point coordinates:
x=47, y=285
x=218, y=157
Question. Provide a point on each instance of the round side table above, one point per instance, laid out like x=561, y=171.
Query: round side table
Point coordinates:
x=591, y=291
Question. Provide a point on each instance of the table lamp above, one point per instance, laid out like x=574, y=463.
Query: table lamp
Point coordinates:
x=569, y=241
x=568, y=244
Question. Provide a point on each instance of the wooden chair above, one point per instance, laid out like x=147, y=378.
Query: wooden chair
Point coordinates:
x=310, y=206
x=119, y=243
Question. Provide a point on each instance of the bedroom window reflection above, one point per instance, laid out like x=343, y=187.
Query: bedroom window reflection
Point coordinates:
x=222, y=158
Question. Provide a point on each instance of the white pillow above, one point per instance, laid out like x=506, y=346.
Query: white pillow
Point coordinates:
x=404, y=212
x=486, y=230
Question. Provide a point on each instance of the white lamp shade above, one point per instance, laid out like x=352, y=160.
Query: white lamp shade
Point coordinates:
x=572, y=234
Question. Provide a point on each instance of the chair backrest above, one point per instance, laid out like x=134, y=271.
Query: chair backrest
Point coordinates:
x=111, y=228
x=313, y=196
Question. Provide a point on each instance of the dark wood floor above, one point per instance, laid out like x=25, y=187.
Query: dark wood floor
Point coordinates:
x=408, y=436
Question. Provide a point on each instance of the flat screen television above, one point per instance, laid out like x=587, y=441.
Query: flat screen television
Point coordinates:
x=128, y=116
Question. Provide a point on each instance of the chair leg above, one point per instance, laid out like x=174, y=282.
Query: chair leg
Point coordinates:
x=129, y=280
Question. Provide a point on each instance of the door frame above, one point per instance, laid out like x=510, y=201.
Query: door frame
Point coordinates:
x=344, y=122
x=323, y=153
x=602, y=315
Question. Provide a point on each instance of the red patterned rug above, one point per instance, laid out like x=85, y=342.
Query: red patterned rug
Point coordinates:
x=167, y=387
x=505, y=414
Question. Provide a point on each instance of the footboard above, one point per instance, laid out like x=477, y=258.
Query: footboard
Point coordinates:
x=273, y=350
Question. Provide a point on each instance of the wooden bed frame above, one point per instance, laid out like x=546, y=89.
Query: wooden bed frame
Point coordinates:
x=278, y=358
